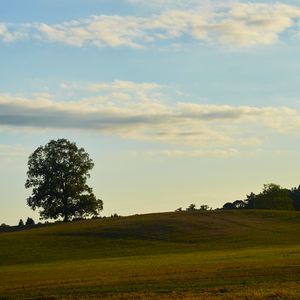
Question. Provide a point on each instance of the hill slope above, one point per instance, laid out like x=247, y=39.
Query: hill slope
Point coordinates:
x=157, y=254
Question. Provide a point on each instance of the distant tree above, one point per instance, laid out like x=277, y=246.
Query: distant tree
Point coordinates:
x=96, y=217
x=179, y=209
x=192, y=207
x=295, y=195
x=273, y=196
x=228, y=205
x=57, y=174
x=204, y=207
x=21, y=223
x=4, y=225
x=29, y=221
x=115, y=215
x=239, y=204
x=78, y=219
x=249, y=201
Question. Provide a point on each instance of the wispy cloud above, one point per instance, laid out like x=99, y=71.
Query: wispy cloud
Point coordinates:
x=10, y=33
x=121, y=85
x=134, y=114
x=235, y=24
x=115, y=86
x=9, y=153
x=168, y=4
x=230, y=152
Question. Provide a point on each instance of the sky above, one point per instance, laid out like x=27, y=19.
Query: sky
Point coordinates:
x=177, y=102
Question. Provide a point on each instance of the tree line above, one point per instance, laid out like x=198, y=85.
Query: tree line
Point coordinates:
x=58, y=172
x=57, y=176
x=273, y=196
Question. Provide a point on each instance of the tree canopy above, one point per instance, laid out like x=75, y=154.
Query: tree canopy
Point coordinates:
x=295, y=195
x=57, y=174
x=273, y=196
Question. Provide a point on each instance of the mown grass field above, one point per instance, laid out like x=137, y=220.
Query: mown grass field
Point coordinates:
x=198, y=255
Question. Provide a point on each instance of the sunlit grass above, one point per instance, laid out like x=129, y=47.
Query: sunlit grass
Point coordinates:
x=210, y=255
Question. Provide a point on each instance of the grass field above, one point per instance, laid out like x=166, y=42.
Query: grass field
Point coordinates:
x=198, y=255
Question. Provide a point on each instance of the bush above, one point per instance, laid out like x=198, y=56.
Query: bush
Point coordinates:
x=205, y=207
x=192, y=207
x=178, y=209
x=29, y=222
x=115, y=215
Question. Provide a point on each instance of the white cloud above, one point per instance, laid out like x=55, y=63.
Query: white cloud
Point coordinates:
x=230, y=23
x=170, y=4
x=121, y=85
x=126, y=110
x=230, y=152
x=15, y=34
x=56, y=34
x=99, y=31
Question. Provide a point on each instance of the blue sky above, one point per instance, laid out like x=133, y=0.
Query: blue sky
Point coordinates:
x=177, y=102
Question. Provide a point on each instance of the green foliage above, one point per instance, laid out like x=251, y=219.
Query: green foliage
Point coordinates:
x=228, y=205
x=249, y=201
x=57, y=174
x=21, y=223
x=237, y=204
x=29, y=222
x=115, y=215
x=295, y=195
x=204, y=207
x=273, y=197
x=191, y=207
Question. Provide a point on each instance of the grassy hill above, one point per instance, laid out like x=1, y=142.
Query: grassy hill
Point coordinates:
x=211, y=255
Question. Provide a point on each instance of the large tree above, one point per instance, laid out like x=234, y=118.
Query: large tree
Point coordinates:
x=273, y=196
x=57, y=174
x=295, y=195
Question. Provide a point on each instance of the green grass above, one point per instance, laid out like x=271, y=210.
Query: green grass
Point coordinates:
x=199, y=255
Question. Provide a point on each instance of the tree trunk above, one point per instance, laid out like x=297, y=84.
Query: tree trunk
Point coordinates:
x=66, y=210
x=66, y=217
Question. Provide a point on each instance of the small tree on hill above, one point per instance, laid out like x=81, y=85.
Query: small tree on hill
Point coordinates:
x=239, y=204
x=228, y=205
x=21, y=223
x=192, y=207
x=204, y=207
x=29, y=221
x=57, y=174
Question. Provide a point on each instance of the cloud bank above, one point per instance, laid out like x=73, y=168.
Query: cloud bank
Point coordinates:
x=234, y=24
x=144, y=115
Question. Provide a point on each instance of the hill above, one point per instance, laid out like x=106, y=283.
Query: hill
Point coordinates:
x=215, y=254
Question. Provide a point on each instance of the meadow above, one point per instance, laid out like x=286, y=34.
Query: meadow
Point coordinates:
x=244, y=254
